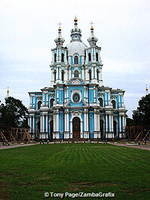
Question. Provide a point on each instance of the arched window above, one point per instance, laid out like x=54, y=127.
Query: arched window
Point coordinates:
x=62, y=57
x=97, y=74
x=62, y=75
x=96, y=56
x=90, y=75
x=76, y=74
x=89, y=56
x=51, y=103
x=101, y=102
x=55, y=55
x=113, y=104
x=76, y=60
x=54, y=75
x=39, y=104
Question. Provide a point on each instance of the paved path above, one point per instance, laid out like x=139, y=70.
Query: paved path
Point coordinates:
x=136, y=146
x=145, y=147
x=16, y=145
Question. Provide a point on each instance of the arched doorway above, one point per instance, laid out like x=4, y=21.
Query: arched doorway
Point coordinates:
x=76, y=127
x=115, y=128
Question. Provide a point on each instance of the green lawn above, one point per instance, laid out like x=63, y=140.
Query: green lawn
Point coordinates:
x=28, y=172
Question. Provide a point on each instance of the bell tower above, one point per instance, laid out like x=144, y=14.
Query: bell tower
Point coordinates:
x=59, y=59
x=93, y=59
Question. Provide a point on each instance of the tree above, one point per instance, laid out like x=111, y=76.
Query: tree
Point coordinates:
x=141, y=115
x=13, y=113
x=130, y=122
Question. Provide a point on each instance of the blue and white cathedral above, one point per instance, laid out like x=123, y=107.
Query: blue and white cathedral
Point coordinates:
x=76, y=105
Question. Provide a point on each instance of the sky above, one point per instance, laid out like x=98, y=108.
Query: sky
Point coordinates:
x=28, y=29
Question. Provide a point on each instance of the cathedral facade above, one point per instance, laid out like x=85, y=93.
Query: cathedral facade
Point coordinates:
x=76, y=105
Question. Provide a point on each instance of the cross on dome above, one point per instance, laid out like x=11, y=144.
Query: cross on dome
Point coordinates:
x=76, y=32
x=92, y=39
x=59, y=40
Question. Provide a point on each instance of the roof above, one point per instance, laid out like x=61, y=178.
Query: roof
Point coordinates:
x=76, y=47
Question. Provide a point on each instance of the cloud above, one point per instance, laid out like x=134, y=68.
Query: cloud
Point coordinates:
x=28, y=30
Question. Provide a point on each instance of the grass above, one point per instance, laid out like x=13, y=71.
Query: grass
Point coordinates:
x=27, y=172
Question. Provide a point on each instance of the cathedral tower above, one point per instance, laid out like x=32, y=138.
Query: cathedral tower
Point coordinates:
x=76, y=105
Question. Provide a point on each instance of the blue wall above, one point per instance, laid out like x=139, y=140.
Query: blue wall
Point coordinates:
x=91, y=124
x=61, y=124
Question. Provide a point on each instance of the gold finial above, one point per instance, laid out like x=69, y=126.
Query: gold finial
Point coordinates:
x=146, y=89
x=59, y=25
x=7, y=91
x=92, y=27
x=75, y=21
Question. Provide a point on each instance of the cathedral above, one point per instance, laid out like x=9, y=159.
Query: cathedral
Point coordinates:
x=76, y=105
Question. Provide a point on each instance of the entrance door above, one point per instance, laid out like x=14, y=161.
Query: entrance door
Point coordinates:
x=76, y=127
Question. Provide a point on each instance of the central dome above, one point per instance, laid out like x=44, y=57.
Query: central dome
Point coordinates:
x=76, y=47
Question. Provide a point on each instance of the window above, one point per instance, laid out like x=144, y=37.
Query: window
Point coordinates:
x=62, y=75
x=90, y=75
x=97, y=74
x=101, y=102
x=39, y=104
x=96, y=56
x=76, y=74
x=54, y=75
x=51, y=103
x=89, y=56
x=55, y=57
x=113, y=104
x=76, y=97
x=76, y=60
x=62, y=57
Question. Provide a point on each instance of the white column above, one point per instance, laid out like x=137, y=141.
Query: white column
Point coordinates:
x=65, y=59
x=67, y=122
x=47, y=122
x=56, y=73
x=65, y=75
x=95, y=123
x=54, y=121
x=94, y=54
x=106, y=122
x=69, y=73
x=112, y=122
x=33, y=123
x=57, y=122
x=85, y=120
x=119, y=123
x=70, y=128
x=41, y=123
x=124, y=121
x=82, y=71
x=86, y=74
x=81, y=124
x=98, y=124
